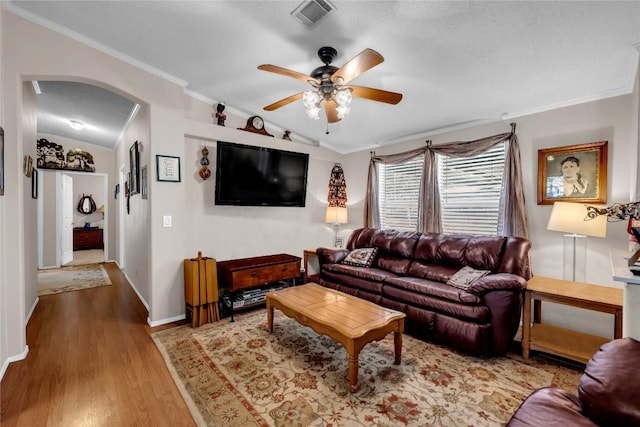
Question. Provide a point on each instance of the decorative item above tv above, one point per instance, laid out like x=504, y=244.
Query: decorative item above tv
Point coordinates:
x=257, y=176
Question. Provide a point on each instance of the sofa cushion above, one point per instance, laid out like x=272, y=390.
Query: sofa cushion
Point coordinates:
x=609, y=391
x=395, y=265
x=431, y=288
x=373, y=274
x=481, y=252
x=362, y=257
x=465, y=276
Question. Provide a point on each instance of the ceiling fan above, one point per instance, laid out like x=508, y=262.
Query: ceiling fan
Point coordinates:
x=330, y=85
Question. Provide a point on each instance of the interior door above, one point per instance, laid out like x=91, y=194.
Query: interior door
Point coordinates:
x=66, y=225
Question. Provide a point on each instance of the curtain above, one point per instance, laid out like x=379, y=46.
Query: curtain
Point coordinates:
x=371, y=203
x=512, y=217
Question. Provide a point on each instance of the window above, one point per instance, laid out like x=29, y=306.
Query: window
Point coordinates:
x=470, y=192
x=398, y=190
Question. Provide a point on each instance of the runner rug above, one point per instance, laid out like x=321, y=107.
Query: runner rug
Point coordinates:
x=72, y=278
x=236, y=374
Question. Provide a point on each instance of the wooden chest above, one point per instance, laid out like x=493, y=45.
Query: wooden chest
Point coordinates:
x=246, y=273
x=87, y=238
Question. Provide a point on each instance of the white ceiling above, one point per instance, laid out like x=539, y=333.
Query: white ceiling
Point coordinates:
x=456, y=62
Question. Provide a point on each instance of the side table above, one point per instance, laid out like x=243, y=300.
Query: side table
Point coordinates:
x=306, y=254
x=563, y=342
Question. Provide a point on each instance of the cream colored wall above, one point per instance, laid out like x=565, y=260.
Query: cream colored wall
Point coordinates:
x=610, y=120
x=137, y=222
x=30, y=205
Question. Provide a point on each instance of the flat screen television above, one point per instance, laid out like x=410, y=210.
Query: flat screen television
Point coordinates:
x=257, y=176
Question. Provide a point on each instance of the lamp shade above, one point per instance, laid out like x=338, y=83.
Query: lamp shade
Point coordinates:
x=336, y=215
x=572, y=218
x=101, y=209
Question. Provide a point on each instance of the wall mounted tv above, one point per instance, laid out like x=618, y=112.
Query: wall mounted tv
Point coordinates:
x=257, y=176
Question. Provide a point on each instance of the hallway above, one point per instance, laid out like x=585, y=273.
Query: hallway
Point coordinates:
x=91, y=362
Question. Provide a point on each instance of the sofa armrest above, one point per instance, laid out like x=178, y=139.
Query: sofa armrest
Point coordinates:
x=331, y=255
x=498, y=282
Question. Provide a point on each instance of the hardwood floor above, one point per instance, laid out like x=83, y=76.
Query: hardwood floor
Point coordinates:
x=91, y=362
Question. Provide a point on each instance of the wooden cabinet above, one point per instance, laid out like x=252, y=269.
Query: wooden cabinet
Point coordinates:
x=239, y=276
x=245, y=273
x=87, y=238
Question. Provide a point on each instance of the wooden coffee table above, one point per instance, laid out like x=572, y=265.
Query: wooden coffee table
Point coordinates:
x=351, y=321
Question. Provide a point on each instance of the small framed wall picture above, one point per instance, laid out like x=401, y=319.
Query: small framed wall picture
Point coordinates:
x=168, y=168
x=134, y=167
x=34, y=184
x=28, y=166
x=143, y=182
x=1, y=162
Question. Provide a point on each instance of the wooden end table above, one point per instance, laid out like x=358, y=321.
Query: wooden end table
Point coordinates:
x=560, y=341
x=351, y=321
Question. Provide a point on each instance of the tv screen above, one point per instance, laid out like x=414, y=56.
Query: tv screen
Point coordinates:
x=256, y=176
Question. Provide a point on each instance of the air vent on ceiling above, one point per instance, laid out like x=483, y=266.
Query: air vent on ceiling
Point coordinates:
x=310, y=12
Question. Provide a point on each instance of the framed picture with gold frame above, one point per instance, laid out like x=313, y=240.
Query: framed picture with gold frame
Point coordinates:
x=573, y=173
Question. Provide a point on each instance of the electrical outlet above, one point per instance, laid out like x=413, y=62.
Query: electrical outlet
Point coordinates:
x=166, y=221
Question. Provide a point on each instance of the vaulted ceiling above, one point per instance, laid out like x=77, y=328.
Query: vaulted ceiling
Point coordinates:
x=457, y=63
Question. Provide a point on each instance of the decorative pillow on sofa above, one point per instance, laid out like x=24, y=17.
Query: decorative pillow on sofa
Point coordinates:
x=464, y=277
x=362, y=257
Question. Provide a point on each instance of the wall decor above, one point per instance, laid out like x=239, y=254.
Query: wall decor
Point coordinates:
x=168, y=168
x=134, y=167
x=220, y=116
x=1, y=162
x=28, y=166
x=127, y=192
x=573, y=173
x=143, y=182
x=34, y=184
x=51, y=156
x=204, y=171
x=116, y=191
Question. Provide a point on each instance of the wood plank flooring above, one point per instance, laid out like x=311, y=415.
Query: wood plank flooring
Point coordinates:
x=91, y=362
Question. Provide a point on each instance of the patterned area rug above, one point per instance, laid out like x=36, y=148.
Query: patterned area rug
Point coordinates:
x=72, y=278
x=235, y=374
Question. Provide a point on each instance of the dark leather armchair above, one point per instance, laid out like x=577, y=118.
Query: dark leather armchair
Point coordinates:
x=608, y=393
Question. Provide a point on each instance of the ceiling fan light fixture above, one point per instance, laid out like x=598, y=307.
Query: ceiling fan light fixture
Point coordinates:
x=76, y=125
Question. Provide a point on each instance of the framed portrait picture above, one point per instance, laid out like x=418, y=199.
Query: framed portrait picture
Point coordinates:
x=574, y=173
x=34, y=184
x=168, y=168
x=134, y=165
x=143, y=182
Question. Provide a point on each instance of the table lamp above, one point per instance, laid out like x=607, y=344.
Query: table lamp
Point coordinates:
x=572, y=219
x=336, y=215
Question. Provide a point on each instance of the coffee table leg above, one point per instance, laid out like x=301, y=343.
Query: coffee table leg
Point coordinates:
x=269, y=317
x=397, y=343
x=353, y=373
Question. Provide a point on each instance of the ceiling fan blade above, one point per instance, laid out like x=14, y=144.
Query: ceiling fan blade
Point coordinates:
x=285, y=72
x=283, y=102
x=332, y=113
x=376, y=94
x=365, y=60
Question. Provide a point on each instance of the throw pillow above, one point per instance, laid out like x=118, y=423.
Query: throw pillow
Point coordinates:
x=362, y=257
x=464, y=277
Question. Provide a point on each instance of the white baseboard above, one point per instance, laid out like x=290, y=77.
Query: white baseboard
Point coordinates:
x=12, y=359
x=33, y=307
x=142, y=300
x=165, y=321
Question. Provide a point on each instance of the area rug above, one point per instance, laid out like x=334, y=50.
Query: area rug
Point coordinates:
x=72, y=278
x=236, y=374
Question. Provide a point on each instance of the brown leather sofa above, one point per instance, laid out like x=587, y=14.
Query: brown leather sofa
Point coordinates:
x=410, y=274
x=608, y=393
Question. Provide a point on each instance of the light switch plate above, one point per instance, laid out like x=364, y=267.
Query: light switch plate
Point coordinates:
x=166, y=221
